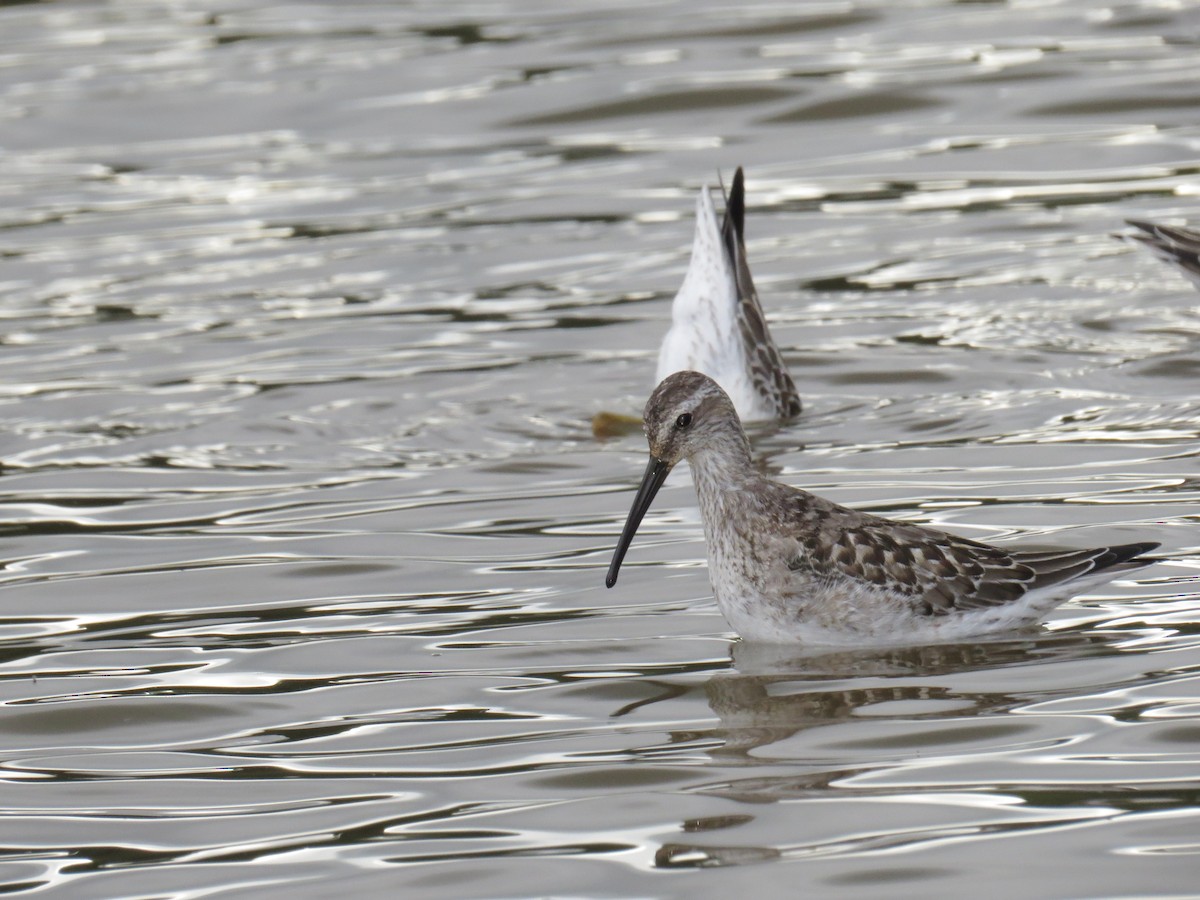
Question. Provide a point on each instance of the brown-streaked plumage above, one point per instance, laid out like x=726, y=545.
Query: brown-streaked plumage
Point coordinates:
x=787, y=565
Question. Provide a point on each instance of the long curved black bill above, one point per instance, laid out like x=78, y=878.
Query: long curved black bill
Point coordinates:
x=656, y=473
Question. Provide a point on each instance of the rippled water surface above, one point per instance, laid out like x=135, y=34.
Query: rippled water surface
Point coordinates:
x=305, y=313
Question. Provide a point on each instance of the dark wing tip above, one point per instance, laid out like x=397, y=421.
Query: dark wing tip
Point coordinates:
x=1147, y=232
x=1174, y=238
x=1121, y=553
x=735, y=205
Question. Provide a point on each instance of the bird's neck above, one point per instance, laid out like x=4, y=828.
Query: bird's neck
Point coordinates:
x=723, y=465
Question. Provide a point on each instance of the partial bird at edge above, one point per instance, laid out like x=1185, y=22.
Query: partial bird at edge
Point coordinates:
x=1175, y=244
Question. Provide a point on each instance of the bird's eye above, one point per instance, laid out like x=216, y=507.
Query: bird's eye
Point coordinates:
x=684, y=421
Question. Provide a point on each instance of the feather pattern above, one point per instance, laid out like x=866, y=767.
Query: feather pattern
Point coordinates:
x=768, y=372
x=717, y=322
x=787, y=565
x=1173, y=243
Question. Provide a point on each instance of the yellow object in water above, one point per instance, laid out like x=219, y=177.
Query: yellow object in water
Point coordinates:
x=610, y=424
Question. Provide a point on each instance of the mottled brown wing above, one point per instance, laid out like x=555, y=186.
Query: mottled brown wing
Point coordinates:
x=767, y=368
x=941, y=573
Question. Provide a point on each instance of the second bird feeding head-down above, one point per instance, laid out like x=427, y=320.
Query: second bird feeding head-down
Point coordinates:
x=717, y=322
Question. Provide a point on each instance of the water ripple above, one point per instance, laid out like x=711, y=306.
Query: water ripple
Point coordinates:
x=307, y=312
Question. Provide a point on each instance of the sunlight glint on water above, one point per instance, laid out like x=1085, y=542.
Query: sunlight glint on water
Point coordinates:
x=306, y=312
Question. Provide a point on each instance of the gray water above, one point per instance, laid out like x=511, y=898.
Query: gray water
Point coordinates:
x=306, y=310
